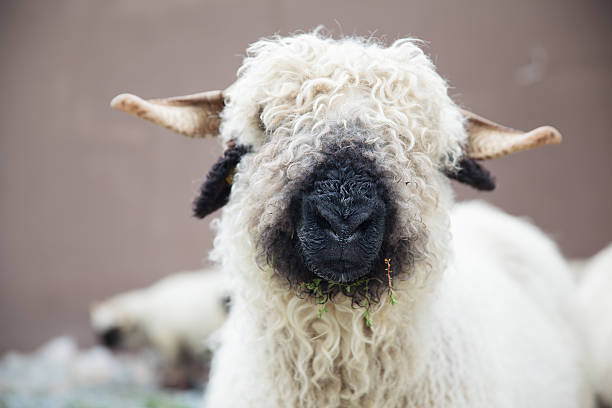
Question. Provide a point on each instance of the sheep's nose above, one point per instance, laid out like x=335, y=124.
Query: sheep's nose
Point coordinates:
x=340, y=233
x=344, y=227
x=111, y=338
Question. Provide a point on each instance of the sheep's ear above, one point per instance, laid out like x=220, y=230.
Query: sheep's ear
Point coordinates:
x=194, y=115
x=489, y=140
x=473, y=174
x=215, y=191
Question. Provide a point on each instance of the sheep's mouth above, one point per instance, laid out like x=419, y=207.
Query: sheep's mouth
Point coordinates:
x=342, y=271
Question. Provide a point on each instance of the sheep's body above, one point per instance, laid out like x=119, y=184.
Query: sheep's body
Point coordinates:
x=483, y=319
x=498, y=331
x=346, y=148
x=596, y=298
x=174, y=317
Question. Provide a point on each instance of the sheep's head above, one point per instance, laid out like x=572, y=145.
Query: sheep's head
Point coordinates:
x=345, y=151
x=116, y=322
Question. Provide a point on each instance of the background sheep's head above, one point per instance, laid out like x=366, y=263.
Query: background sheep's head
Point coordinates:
x=345, y=149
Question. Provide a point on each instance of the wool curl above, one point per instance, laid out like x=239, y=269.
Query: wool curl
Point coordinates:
x=294, y=84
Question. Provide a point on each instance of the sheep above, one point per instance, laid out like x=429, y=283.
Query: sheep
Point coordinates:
x=174, y=317
x=594, y=291
x=356, y=280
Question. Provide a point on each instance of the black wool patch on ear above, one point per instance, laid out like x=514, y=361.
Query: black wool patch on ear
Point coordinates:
x=473, y=174
x=215, y=191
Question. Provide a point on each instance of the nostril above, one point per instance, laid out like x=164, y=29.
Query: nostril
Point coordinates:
x=363, y=227
x=343, y=221
x=344, y=227
x=322, y=221
x=329, y=222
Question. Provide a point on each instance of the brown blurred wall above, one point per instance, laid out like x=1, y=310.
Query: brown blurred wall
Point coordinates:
x=94, y=202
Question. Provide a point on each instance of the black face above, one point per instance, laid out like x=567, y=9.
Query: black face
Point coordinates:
x=340, y=226
x=341, y=222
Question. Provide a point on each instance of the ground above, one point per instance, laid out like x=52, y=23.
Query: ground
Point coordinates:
x=60, y=375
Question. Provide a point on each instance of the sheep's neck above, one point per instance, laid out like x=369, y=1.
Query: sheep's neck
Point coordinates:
x=338, y=360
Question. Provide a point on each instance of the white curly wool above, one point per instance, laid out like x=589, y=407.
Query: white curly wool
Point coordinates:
x=596, y=298
x=484, y=315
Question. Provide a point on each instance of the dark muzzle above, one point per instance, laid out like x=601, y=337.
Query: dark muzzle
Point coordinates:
x=341, y=222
